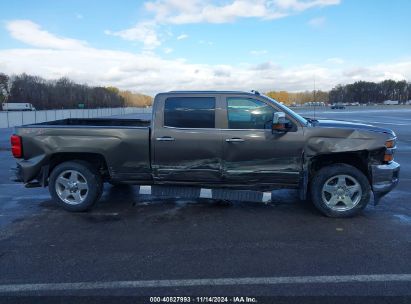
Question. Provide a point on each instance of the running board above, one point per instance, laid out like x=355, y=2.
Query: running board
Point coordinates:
x=194, y=193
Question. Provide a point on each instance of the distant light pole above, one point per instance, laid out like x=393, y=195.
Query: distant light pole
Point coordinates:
x=314, y=97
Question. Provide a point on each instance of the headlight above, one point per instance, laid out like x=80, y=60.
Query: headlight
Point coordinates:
x=388, y=158
x=390, y=143
x=389, y=153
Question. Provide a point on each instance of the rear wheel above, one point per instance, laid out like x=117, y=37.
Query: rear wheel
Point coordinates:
x=75, y=185
x=340, y=190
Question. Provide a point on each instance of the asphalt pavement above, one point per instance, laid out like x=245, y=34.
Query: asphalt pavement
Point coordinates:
x=142, y=245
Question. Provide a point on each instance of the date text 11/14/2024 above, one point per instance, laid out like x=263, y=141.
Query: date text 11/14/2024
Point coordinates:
x=236, y=299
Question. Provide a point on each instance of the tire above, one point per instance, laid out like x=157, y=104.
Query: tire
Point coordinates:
x=75, y=185
x=340, y=190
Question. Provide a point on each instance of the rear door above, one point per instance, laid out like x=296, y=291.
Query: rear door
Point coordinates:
x=187, y=147
x=252, y=154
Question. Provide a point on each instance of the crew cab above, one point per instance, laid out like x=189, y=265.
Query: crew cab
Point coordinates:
x=211, y=140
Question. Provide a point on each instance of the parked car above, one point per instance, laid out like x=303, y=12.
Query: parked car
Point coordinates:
x=338, y=106
x=210, y=139
x=17, y=106
x=391, y=102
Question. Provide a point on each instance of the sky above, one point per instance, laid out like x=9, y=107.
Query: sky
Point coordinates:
x=159, y=45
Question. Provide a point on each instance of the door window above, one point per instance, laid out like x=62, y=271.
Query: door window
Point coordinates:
x=189, y=112
x=248, y=113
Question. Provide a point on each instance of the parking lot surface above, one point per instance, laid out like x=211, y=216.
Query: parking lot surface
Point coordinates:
x=205, y=247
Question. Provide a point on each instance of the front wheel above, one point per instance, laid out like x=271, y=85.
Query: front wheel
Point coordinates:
x=75, y=185
x=340, y=190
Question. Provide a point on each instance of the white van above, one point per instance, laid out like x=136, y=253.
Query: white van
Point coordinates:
x=17, y=106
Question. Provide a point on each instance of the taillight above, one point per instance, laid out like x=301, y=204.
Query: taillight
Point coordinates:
x=16, y=146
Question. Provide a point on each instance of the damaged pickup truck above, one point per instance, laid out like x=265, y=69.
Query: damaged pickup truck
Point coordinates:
x=213, y=140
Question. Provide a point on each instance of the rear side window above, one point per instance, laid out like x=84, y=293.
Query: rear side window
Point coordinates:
x=189, y=112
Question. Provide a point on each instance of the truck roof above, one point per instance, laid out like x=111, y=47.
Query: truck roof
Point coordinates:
x=253, y=92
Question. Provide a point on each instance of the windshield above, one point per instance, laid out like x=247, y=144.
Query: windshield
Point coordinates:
x=288, y=110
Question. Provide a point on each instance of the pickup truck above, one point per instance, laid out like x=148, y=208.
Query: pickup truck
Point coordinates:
x=210, y=140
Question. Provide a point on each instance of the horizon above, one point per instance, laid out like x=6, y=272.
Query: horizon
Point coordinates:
x=166, y=45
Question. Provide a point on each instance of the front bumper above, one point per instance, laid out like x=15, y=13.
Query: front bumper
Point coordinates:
x=384, y=178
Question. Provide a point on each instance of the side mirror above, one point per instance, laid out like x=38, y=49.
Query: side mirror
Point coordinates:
x=280, y=123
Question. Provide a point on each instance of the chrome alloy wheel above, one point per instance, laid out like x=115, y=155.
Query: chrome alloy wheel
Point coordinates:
x=71, y=187
x=341, y=192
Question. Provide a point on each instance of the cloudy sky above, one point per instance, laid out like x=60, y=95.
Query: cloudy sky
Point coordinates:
x=158, y=45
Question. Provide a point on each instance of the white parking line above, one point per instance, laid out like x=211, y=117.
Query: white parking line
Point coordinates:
x=397, y=118
x=379, y=122
x=208, y=282
x=396, y=111
x=30, y=197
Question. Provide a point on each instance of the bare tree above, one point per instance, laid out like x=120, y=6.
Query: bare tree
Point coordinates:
x=4, y=87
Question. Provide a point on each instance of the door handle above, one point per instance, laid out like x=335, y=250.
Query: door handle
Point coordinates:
x=234, y=140
x=165, y=138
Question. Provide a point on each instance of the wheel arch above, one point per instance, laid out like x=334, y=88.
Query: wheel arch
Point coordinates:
x=357, y=159
x=92, y=183
x=97, y=160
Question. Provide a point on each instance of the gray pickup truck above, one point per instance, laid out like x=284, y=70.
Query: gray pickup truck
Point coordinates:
x=211, y=140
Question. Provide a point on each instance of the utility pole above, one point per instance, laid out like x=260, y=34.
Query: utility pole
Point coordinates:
x=314, y=97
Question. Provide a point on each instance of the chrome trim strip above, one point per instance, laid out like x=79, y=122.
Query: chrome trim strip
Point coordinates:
x=164, y=139
x=219, y=129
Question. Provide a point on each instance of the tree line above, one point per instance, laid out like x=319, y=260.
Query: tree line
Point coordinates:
x=362, y=92
x=365, y=92
x=289, y=98
x=64, y=93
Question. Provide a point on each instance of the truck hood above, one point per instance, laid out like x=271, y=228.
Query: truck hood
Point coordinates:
x=326, y=123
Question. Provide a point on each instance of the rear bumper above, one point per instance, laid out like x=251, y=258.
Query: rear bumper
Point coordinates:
x=384, y=178
x=16, y=174
x=26, y=171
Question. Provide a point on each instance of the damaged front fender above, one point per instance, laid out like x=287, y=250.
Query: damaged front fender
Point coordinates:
x=362, y=148
x=335, y=140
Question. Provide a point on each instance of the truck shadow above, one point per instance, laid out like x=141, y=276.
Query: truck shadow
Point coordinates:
x=123, y=201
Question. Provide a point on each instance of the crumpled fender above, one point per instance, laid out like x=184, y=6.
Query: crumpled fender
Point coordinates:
x=343, y=140
x=328, y=141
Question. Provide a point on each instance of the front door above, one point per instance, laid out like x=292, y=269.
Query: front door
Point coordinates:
x=187, y=147
x=252, y=154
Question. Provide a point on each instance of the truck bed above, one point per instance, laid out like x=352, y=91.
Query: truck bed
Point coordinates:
x=123, y=144
x=95, y=122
